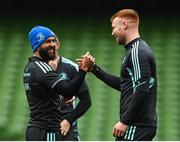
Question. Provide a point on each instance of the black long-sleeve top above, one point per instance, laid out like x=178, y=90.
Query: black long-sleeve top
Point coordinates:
x=43, y=86
x=67, y=70
x=137, y=83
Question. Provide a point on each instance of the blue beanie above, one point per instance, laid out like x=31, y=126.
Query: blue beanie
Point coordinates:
x=38, y=35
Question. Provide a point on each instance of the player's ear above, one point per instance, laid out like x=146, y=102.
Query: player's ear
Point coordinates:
x=125, y=25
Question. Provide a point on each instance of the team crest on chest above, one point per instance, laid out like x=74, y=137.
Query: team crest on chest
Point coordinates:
x=63, y=76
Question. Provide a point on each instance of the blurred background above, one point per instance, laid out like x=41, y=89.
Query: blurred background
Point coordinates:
x=85, y=26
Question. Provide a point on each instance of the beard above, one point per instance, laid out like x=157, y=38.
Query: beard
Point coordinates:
x=44, y=53
x=120, y=40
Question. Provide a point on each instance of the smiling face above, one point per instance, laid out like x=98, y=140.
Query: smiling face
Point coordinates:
x=118, y=30
x=48, y=48
x=125, y=25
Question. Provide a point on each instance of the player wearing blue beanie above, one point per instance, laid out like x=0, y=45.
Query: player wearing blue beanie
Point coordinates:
x=45, y=88
x=38, y=35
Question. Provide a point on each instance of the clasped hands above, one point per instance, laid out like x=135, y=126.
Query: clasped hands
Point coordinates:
x=86, y=62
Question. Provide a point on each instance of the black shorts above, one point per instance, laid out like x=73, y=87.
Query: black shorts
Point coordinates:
x=138, y=133
x=40, y=134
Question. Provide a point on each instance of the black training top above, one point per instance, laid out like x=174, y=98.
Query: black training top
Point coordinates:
x=67, y=70
x=42, y=86
x=137, y=83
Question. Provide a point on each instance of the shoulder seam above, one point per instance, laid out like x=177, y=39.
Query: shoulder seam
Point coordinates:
x=43, y=66
x=135, y=61
x=67, y=61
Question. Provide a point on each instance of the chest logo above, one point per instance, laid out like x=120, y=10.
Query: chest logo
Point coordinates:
x=63, y=76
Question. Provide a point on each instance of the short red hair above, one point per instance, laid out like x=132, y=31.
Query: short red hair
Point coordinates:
x=128, y=14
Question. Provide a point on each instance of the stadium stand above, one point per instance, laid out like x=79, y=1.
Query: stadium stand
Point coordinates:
x=76, y=38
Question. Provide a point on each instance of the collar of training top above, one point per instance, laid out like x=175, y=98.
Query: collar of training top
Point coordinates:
x=127, y=46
